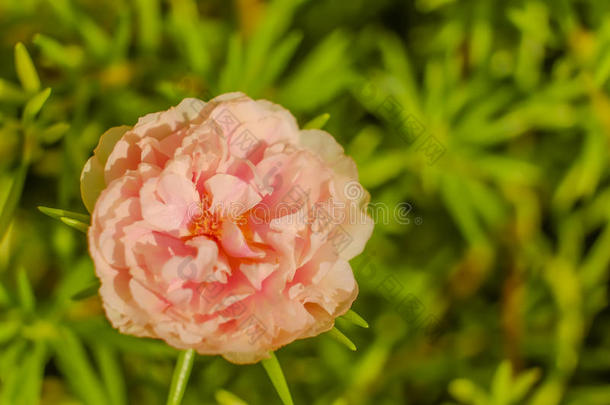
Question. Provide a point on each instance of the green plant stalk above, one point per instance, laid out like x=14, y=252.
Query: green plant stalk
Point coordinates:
x=182, y=372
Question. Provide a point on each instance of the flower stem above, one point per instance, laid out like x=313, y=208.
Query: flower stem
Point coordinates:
x=182, y=372
x=274, y=371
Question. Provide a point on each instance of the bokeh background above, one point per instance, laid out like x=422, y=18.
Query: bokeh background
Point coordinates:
x=487, y=122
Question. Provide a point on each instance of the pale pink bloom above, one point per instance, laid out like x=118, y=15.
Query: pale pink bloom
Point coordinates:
x=222, y=227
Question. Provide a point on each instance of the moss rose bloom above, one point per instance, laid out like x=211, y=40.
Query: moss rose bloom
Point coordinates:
x=222, y=227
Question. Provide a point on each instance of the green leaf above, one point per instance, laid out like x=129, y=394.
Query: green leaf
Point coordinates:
x=68, y=57
x=35, y=104
x=594, y=268
x=182, y=372
x=8, y=330
x=76, y=367
x=25, y=69
x=467, y=392
x=318, y=122
x=364, y=144
x=328, y=63
x=341, y=338
x=98, y=329
x=501, y=384
x=24, y=382
x=232, y=71
x=382, y=168
x=24, y=291
x=224, y=397
x=54, y=133
x=32, y=374
x=354, y=318
x=523, y=384
x=9, y=359
x=276, y=63
x=10, y=92
x=461, y=209
x=398, y=64
x=59, y=213
x=12, y=199
x=122, y=36
x=5, y=299
x=277, y=18
x=187, y=29
x=149, y=23
x=112, y=373
x=96, y=38
x=75, y=224
x=274, y=371
x=87, y=292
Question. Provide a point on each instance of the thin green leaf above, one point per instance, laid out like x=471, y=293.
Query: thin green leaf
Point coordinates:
x=186, y=27
x=364, y=145
x=74, y=364
x=31, y=375
x=12, y=199
x=22, y=384
x=467, y=392
x=54, y=133
x=354, y=318
x=182, y=372
x=10, y=92
x=328, y=63
x=341, y=338
x=5, y=298
x=69, y=57
x=75, y=224
x=9, y=359
x=97, y=329
x=24, y=291
x=35, y=104
x=8, y=330
x=461, y=209
x=122, y=36
x=87, y=292
x=501, y=383
x=523, y=384
x=25, y=69
x=274, y=371
x=224, y=397
x=595, y=265
x=276, y=63
x=112, y=373
x=318, y=122
x=59, y=213
x=398, y=63
x=277, y=18
x=232, y=71
x=96, y=38
x=149, y=16
x=382, y=168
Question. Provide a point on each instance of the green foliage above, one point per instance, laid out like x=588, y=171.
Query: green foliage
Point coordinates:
x=274, y=371
x=491, y=289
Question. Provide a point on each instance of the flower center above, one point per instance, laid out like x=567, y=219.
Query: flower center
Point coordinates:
x=203, y=221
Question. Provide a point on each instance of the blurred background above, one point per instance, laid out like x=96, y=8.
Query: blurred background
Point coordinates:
x=487, y=123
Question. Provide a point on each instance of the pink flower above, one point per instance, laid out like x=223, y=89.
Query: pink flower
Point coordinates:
x=222, y=227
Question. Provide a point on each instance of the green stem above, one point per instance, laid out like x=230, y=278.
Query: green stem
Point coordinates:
x=182, y=372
